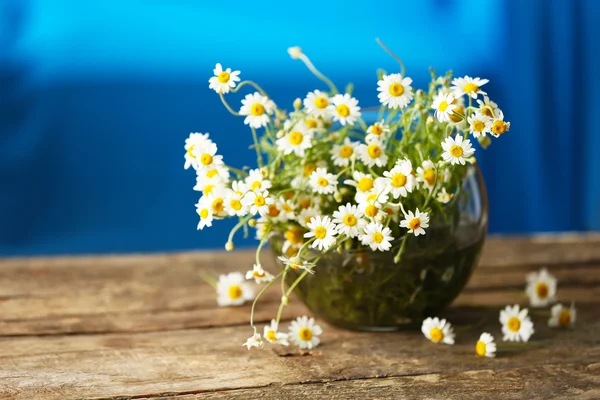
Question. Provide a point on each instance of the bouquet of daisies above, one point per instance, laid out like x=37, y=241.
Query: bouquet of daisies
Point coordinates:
x=326, y=180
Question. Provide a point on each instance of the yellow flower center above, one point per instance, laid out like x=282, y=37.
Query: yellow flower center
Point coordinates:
x=206, y=159
x=204, y=213
x=414, y=224
x=443, y=106
x=456, y=151
x=346, y=151
x=478, y=126
x=294, y=235
x=320, y=232
x=436, y=335
x=322, y=182
x=256, y=185
x=396, y=89
x=371, y=197
x=399, y=180
x=236, y=204
x=305, y=334
x=258, y=274
x=376, y=130
x=350, y=220
x=259, y=201
x=223, y=77
x=471, y=88
x=217, y=205
x=564, y=318
x=498, y=127
x=458, y=110
x=311, y=123
x=296, y=138
x=487, y=110
x=514, y=324
x=371, y=211
x=211, y=173
x=365, y=184
x=271, y=335
x=481, y=348
x=273, y=211
x=190, y=151
x=208, y=189
x=235, y=292
x=374, y=151
x=343, y=110
x=287, y=208
x=309, y=169
x=377, y=237
x=305, y=203
x=542, y=290
x=429, y=176
x=257, y=109
x=322, y=102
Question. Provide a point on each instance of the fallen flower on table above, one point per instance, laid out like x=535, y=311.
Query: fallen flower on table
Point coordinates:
x=541, y=288
x=438, y=331
x=254, y=341
x=516, y=324
x=272, y=335
x=562, y=316
x=486, y=347
x=305, y=333
x=233, y=290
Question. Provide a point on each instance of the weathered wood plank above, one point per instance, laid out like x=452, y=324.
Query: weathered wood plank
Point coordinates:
x=190, y=361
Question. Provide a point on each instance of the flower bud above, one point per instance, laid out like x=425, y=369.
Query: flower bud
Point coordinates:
x=285, y=300
x=429, y=120
x=298, y=104
x=295, y=52
x=252, y=223
x=337, y=196
x=229, y=246
x=484, y=141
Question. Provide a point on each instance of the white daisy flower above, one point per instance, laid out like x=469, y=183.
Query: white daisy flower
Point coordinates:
x=323, y=230
x=205, y=156
x=443, y=106
x=233, y=290
x=485, y=346
x=294, y=238
x=415, y=223
x=348, y=220
x=217, y=171
x=469, y=86
x=487, y=107
x=258, y=202
x=377, y=237
x=254, y=341
x=194, y=140
x=307, y=214
x=562, y=316
x=297, y=141
x=377, y=131
x=346, y=109
x=426, y=174
x=323, y=182
x=259, y=274
x=319, y=104
x=239, y=187
x=541, y=288
x=498, y=125
x=287, y=209
x=378, y=195
x=516, y=325
x=216, y=199
x=456, y=150
x=256, y=181
x=443, y=197
x=204, y=210
x=233, y=204
x=206, y=184
x=256, y=108
x=479, y=124
x=273, y=336
x=373, y=154
x=438, y=331
x=362, y=182
x=305, y=333
x=400, y=178
x=224, y=80
x=342, y=153
x=395, y=91
x=297, y=263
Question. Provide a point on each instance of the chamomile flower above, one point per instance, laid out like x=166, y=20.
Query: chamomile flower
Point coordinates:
x=287, y=209
x=485, y=346
x=400, y=178
x=487, y=107
x=256, y=108
x=224, y=80
x=415, y=223
x=259, y=274
x=239, y=187
x=194, y=140
x=541, y=288
x=272, y=335
x=516, y=325
x=234, y=205
x=216, y=199
x=469, y=86
x=372, y=154
x=499, y=127
x=456, y=150
x=346, y=109
x=297, y=263
x=256, y=181
x=363, y=182
x=377, y=131
x=395, y=91
x=206, y=157
x=206, y=184
x=323, y=182
x=233, y=290
x=258, y=202
x=254, y=341
x=562, y=316
x=443, y=106
x=479, y=124
x=217, y=171
x=343, y=153
x=426, y=174
x=378, y=195
x=297, y=141
x=324, y=232
x=443, y=197
x=305, y=333
x=204, y=210
x=377, y=236
x=294, y=238
x=348, y=220
x=438, y=331
x=319, y=104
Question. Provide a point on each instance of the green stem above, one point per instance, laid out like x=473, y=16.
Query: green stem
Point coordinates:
x=258, y=296
x=254, y=85
x=209, y=279
x=289, y=291
x=242, y=222
x=228, y=107
x=318, y=74
x=257, y=148
x=394, y=56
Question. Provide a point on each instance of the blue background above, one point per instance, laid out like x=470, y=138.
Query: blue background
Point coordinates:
x=96, y=99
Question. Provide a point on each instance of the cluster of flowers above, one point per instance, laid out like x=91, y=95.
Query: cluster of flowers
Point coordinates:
x=516, y=323
x=330, y=180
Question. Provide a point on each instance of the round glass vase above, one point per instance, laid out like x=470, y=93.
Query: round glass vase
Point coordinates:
x=363, y=289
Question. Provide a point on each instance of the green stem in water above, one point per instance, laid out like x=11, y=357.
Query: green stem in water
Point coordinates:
x=394, y=56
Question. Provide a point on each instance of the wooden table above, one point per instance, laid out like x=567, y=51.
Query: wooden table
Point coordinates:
x=147, y=326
